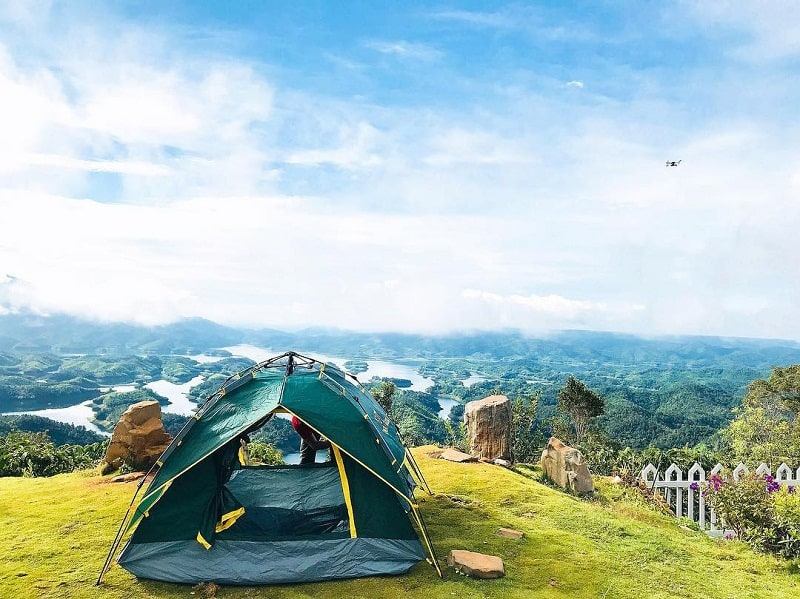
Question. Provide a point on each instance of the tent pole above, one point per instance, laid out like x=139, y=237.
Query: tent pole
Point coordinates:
x=417, y=471
x=424, y=531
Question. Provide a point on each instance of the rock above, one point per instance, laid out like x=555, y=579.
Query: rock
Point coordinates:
x=566, y=467
x=510, y=533
x=501, y=462
x=476, y=565
x=139, y=437
x=488, y=423
x=453, y=455
x=126, y=478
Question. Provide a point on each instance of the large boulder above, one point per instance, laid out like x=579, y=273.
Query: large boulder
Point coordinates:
x=566, y=467
x=139, y=437
x=488, y=423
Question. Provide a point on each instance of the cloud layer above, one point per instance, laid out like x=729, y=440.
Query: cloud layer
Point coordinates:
x=448, y=170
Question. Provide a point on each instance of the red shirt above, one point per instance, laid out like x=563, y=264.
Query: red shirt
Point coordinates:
x=305, y=431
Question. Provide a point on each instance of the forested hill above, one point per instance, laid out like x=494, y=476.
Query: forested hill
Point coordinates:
x=668, y=391
x=26, y=332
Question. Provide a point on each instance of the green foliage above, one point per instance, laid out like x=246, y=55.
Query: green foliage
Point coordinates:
x=109, y=407
x=601, y=452
x=526, y=439
x=384, y=395
x=766, y=427
x=416, y=417
x=59, y=432
x=457, y=435
x=758, y=510
x=173, y=423
x=179, y=370
x=278, y=432
x=34, y=454
x=264, y=453
x=581, y=404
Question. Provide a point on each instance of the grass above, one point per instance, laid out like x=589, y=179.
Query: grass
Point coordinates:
x=56, y=533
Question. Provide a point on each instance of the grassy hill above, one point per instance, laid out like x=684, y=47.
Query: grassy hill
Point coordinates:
x=56, y=533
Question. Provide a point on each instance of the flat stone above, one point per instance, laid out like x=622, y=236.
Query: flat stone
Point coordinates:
x=453, y=455
x=476, y=565
x=124, y=478
x=510, y=533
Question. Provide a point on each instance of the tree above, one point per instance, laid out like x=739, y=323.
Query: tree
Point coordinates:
x=526, y=440
x=766, y=427
x=384, y=395
x=581, y=404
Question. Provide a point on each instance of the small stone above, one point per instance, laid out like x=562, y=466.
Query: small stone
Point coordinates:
x=453, y=455
x=502, y=462
x=476, y=565
x=510, y=533
x=124, y=478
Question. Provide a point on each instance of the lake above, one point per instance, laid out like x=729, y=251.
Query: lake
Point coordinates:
x=176, y=394
x=81, y=414
x=377, y=368
x=78, y=415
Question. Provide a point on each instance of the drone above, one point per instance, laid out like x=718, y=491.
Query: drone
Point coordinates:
x=673, y=162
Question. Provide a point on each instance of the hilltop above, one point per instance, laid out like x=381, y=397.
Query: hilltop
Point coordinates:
x=57, y=532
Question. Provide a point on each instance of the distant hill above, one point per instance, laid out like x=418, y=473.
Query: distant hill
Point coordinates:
x=668, y=391
x=31, y=333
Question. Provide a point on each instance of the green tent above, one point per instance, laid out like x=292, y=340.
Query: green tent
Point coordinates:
x=208, y=516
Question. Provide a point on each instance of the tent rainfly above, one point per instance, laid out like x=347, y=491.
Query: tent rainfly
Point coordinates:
x=208, y=516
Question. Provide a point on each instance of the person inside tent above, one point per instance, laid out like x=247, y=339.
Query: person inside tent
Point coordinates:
x=310, y=442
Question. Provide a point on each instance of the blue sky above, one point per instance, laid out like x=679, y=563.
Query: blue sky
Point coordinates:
x=413, y=166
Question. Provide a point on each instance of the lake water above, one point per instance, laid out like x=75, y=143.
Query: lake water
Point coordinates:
x=446, y=405
x=78, y=415
x=81, y=414
x=176, y=394
x=472, y=379
x=377, y=368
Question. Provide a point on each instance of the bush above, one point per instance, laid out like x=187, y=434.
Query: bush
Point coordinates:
x=264, y=453
x=526, y=440
x=34, y=454
x=758, y=511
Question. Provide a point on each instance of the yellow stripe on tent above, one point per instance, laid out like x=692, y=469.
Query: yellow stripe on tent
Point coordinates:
x=229, y=519
x=345, y=490
x=202, y=541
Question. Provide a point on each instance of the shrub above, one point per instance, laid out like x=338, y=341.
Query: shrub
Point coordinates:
x=457, y=435
x=526, y=440
x=758, y=511
x=34, y=454
x=265, y=453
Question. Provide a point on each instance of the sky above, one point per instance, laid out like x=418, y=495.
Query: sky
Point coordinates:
x=426, y=167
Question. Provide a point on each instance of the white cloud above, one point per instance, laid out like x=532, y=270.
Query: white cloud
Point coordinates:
x=772, y=27
x=564, y=310
x=101, y=166
x=141, y=179
x=578, y=84
x=403, y=49
x=358, y=149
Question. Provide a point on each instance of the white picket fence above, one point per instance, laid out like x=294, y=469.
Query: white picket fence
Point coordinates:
x=690, y=503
